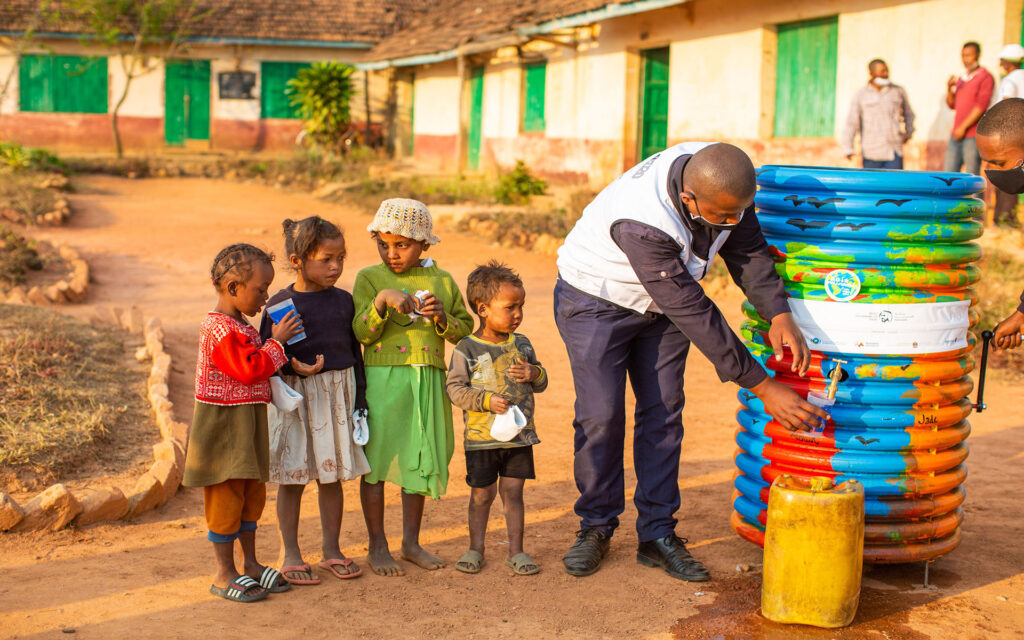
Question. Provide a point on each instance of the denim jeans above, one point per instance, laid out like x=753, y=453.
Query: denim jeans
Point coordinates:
x=895, y=163
x=963, y=153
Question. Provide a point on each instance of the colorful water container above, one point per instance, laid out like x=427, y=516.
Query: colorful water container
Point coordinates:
x=878, y=265
x=813, y=551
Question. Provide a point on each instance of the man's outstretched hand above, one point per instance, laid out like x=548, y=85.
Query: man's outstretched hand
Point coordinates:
x=1007, y=333
x=787, y=408
x=785, y=332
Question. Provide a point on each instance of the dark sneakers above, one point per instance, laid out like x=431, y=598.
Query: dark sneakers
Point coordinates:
x=670, y=554
x=584, y=556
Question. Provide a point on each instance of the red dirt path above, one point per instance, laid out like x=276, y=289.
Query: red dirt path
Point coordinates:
x=150, y=242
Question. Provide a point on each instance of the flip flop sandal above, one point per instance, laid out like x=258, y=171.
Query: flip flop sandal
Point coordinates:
x=238, y=588
x=473, y=561
x=301, y=568
x=520, y=560
x=272, y=580
x=329, y=565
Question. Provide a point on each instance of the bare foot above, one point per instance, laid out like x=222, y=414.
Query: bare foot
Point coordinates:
x=421, y=557
x=383, y=564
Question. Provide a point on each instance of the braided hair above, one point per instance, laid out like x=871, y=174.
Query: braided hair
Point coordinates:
x=234, y=263
x=302, y=238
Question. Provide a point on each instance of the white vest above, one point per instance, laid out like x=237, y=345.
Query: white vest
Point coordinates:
x=591, y=261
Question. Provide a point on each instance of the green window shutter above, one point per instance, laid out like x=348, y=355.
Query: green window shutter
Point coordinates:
x=274, y=77
x=35, y=83
x=805, y=93
x=80, y=84
x=534, y=89
x=474, y=133
x=63, y=84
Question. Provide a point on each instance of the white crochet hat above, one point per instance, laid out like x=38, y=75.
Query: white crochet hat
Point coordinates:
x=404, y=217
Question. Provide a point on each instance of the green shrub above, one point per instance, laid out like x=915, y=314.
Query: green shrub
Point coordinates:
x=322, y=93
x=20, y=158
x=516, y=186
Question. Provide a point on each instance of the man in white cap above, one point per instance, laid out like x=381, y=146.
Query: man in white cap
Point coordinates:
x=1011, y=86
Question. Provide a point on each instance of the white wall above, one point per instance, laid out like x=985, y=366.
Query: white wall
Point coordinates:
x=437, y=100
x=9, y=103
x=503, y=82
x=145, y=97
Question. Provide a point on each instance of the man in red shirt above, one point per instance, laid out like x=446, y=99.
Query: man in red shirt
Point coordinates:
x=969, y=96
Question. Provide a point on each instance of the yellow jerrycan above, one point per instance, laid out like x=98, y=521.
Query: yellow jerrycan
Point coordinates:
x=813, y=551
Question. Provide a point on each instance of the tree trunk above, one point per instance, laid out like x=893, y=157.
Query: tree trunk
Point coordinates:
x=113, y=117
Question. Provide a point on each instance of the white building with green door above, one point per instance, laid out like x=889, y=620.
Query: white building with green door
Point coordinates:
x=583, y=89
x=225, y=91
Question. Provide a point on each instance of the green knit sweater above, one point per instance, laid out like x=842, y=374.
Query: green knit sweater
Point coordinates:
x=397, y=339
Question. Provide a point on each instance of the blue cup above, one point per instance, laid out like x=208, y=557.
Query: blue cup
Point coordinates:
x=279, y=311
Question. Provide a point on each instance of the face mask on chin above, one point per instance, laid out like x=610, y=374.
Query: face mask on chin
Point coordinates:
x=880, y=82
x=1008, y=180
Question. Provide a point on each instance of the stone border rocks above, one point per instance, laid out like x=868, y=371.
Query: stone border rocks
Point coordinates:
x=71, y=289
x=58, y=507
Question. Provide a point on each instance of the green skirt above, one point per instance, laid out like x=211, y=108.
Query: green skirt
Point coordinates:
x=411, y=436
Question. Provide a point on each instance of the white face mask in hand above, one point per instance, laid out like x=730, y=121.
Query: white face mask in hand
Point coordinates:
x=508, y=425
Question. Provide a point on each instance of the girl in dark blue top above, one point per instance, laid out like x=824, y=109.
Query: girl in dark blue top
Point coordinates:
x=315, y=442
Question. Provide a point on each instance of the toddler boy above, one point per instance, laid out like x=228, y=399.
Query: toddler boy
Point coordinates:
x=495, y=372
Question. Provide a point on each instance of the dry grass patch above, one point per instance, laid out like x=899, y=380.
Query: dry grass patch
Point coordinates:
x=23, y=199
x=73, y=400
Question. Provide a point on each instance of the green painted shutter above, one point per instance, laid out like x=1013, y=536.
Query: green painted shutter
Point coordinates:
x=805, y=93
x=186, y=101
x=198, y=127
x=35, y=83
x=654, y=102
x=63, y=84
x=534, y=88
x=174, y=102
x=80, y=84
x=476, y=111
x=274, y=77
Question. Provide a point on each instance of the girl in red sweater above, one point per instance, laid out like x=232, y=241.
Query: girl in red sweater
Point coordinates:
x=228, y=451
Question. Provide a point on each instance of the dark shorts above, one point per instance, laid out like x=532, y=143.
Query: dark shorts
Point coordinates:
x=483, y=466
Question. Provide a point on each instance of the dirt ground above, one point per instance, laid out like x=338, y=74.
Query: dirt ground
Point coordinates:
x=150, y=243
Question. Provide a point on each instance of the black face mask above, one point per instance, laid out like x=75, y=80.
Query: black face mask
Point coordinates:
x=716, y=226
x=1009, y=180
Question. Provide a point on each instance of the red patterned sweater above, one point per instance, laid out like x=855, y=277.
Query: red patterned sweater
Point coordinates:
x=234, y=366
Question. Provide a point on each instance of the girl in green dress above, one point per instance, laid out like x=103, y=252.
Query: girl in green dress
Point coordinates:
x=406, y=307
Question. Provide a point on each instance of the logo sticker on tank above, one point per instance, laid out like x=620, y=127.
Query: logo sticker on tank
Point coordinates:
x=842, y=285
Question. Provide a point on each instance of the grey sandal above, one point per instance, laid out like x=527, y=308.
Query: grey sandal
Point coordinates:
x=471, y=562
x=520, y=561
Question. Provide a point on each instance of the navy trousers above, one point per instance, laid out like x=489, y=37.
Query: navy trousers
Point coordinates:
x=605, y=343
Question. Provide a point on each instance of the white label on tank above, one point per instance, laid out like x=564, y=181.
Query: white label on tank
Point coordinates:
x=847, y=327
x=842, y=285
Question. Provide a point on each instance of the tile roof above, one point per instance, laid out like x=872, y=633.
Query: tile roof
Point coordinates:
x=327, y=21
x=454, y=23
